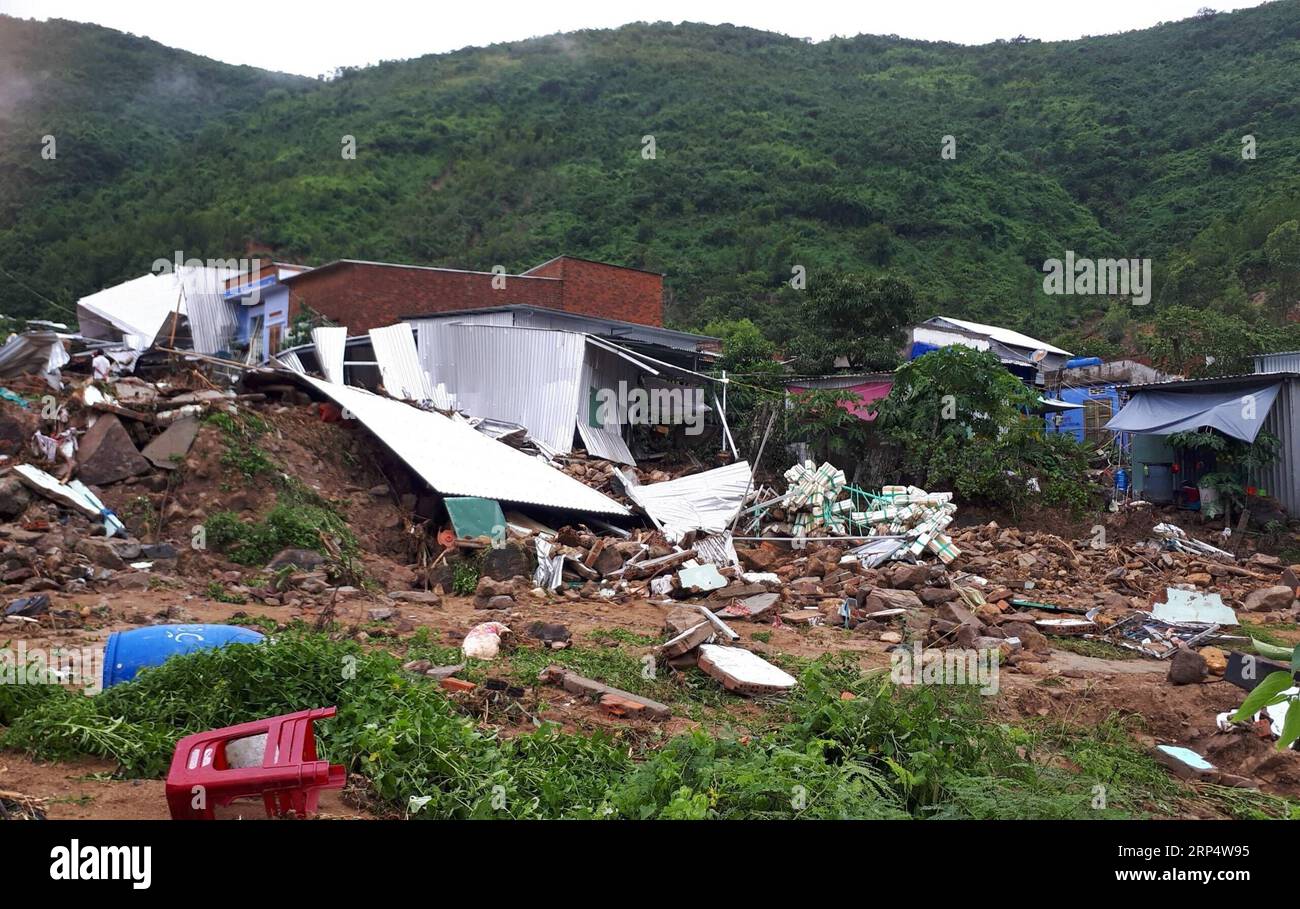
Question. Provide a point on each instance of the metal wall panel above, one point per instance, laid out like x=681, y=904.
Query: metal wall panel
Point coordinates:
x=520, y=375
x=604, y=370
x=330, y=341
x=1281, y=479
x=400, y=369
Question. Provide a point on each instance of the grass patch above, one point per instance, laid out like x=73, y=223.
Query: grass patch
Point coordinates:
x=1268, y=634
x=923, y=752
x=240, y=432
x=1101, y=650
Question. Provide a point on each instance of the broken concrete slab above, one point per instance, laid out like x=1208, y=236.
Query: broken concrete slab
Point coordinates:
x=752, y=608
x=744, y=672
x=595, y=691
x=687, y=641
x=107, y=454
x=169, y=449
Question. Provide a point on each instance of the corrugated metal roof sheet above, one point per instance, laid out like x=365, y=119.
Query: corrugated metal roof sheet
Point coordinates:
x=521, y=375
x=330, y=341
x=705, y=501
x=603, y=369
x=1004, y=335
x=455, y=459
x=403, y=375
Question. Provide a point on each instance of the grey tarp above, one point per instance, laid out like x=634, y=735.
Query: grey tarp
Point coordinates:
x=1239, y=413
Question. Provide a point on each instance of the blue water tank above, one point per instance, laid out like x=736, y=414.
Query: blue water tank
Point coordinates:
x=127, y=652
x=1081, y=362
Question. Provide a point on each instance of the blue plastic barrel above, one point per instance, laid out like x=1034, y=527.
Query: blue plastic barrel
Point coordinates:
x=127, y=652
x=1121, y=480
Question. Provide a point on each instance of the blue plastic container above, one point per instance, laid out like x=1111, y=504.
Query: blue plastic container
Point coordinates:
x=127, y=652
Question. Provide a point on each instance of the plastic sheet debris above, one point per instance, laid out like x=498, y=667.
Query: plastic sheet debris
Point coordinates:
x=1146, y=634
x=484, y=640
x=701, y=577
x=1176, y=538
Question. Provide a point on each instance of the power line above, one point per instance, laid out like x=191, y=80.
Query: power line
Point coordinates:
x=61, y=306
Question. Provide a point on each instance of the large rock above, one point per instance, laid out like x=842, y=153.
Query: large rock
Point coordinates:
x=1268, y=599
x=759, y=558
x=14, y=498
x=508, y=561
x=101, y=552
x=1187, y=667
x=909, y=577
x=107, y=454
x=884, y=598
x=305, y=559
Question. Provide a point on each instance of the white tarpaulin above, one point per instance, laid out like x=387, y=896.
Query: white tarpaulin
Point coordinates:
x=455, y=459
x=1239, y=413
x=135, y=311
x=705, y=501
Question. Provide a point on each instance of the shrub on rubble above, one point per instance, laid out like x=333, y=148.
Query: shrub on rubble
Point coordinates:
x=962, y=422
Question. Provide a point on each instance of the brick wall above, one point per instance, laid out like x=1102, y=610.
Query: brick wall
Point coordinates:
x=607, y=291
x=363, y=297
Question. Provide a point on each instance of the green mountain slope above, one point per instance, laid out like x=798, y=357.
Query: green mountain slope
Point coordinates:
x=769, y=153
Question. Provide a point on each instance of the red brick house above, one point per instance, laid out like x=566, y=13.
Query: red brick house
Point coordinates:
x=365, y=295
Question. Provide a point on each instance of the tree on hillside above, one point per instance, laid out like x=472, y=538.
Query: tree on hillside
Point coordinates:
x=859, y=317
x=1283, y=251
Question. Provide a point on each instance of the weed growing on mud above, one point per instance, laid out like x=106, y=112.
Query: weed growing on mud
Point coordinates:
x=885, y=752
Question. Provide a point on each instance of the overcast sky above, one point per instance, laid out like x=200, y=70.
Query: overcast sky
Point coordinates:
x=312, y=37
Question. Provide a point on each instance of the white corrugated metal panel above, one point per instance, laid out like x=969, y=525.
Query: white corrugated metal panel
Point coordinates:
x=32, y=351
x=400, y=369
x=1278, y=362
x=1281, y=479
x=1005, y=335
x=455, y=459
x=289, y=360
x=520, y=375
x=705, y=501
x=603, y=370
x=330, y=341
x=213, y=319
x=427, y=327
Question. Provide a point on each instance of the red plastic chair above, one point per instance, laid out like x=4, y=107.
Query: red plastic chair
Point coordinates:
x=290, y=778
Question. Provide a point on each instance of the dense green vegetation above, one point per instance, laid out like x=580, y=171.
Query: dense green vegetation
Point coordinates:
x=887, y=752
x=770, y=153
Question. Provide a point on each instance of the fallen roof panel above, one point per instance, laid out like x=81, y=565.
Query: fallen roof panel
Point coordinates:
x=705, y=501
x=455, y=459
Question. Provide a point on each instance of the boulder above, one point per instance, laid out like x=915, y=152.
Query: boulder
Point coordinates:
x=874, y=600
x=759, y=558
x=306, y=559
x=14, y=498
x=909, y=577
x=107, y=454
x=1268, y=599
x=505, y=562
x=101, y=552
x=1187, y=667
x=934, y=596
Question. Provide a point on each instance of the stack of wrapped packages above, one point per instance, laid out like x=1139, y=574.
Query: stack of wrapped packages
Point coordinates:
x=824, y=504
x=919, y=516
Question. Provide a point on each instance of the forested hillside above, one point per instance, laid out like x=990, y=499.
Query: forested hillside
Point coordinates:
x=769, y=152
